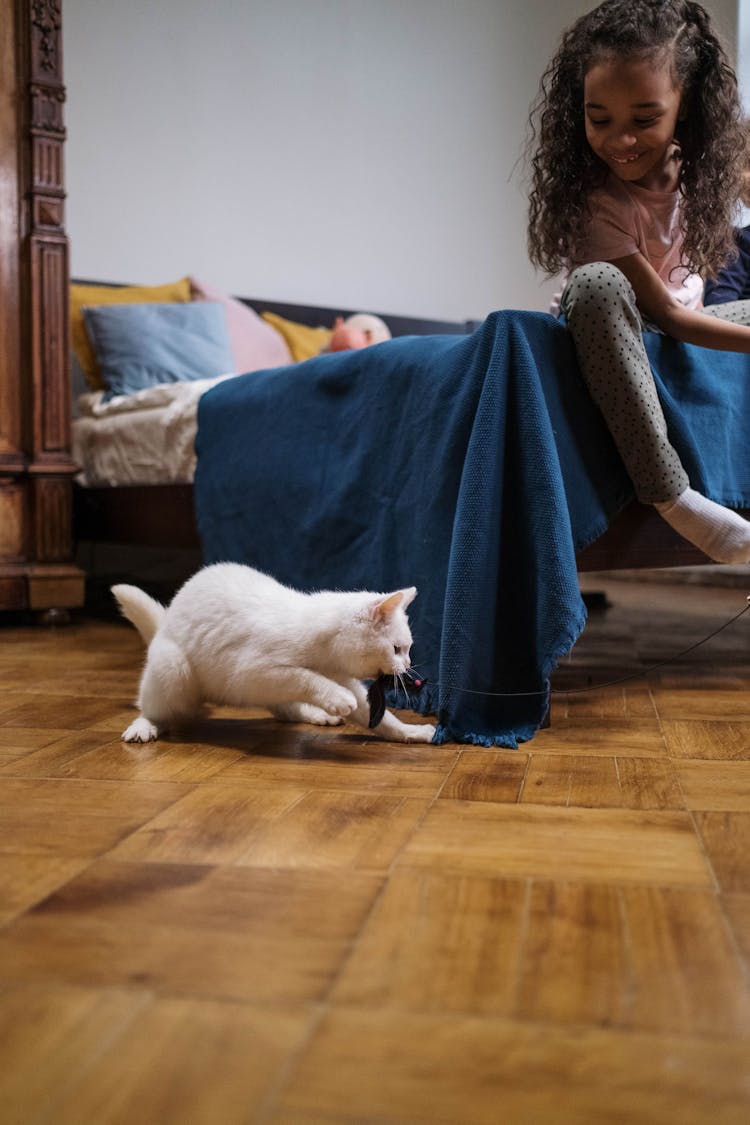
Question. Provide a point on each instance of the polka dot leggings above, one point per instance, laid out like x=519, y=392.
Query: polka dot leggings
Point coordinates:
x=600, y=309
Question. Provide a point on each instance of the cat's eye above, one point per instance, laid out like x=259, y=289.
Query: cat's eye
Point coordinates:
x=397, y=649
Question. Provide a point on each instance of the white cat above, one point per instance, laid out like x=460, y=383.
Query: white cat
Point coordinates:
x=234, y=635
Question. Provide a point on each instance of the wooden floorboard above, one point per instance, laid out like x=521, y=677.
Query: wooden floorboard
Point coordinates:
x=257, y=923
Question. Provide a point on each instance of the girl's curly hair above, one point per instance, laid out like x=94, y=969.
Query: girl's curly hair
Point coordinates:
x=710, y=130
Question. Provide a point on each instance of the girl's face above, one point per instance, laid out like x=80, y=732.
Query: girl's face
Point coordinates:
x=631, y=108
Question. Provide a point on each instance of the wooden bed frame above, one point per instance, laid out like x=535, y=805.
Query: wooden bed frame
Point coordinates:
x=38, y=525
x=162, y=516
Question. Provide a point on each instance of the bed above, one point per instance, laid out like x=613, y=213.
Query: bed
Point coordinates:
x=320, y=473
x=143, y=495
x=160, y=513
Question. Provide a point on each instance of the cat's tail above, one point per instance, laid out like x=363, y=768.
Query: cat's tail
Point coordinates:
x=145, y=613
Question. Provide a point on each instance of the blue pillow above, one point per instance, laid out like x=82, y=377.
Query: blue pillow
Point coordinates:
x=139, y=346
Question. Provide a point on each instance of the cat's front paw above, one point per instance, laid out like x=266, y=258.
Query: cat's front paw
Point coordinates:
x=340, y=701
x=141, y=730
x=419, y=732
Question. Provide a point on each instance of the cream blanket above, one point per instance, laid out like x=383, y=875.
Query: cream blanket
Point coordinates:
x=144, y=438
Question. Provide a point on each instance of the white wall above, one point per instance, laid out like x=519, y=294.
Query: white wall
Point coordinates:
x=339, y=152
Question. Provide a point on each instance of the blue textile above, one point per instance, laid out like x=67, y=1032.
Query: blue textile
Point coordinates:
x=140, y=346
x=733, y=281
x=472, y=467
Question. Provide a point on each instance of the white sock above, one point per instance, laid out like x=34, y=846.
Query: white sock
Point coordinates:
x=717, y=531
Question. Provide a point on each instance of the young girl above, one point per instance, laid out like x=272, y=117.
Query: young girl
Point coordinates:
x=637, y=169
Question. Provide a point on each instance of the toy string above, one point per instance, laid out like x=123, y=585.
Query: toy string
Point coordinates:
x=607, y=683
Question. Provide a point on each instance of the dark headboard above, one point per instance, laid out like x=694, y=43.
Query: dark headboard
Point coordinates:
x=399, y=325
x=320, y=315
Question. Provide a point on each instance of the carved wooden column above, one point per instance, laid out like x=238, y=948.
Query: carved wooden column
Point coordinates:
x=36, y=468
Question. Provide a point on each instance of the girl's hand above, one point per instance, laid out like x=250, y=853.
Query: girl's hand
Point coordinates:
x=656, y=303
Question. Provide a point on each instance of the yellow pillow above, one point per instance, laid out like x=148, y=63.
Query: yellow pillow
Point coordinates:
x=82, y=295
x=303, y=342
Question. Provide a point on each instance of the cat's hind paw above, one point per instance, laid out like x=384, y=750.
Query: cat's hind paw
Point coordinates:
x=305, y=713
x=141, y=730
x=320, y=717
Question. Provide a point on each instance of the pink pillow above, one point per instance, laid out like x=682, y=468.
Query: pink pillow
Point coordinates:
x=254, y=343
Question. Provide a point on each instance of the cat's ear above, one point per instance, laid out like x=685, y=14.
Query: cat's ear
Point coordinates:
x=386, y=606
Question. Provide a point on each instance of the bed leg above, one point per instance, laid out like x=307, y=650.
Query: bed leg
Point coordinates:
x=54, y=616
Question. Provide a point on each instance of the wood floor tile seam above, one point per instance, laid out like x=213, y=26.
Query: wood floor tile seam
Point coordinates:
x=485, y=811
x=13, y=918
x=333, y=790
x=193, y=865
x=63, y=693
x=720, y=720
x=550, y=1023
x=353, y=942
x=652, y=815
x=110, y=739
x=93, y=860
x=660, y=724
x=729, y=925
x=547, y=1025
x=216, y=782
x=650, y=692
x=253, y=1002
x=670, y=756
x=266, y=1111
x=618, y=778
x=398, y=863
x=324, y=1007
x=448, y=776
x=429, y=805
x=157, y=993
x=522, y=786
x=588, y=881
x=702, y=846
x=111, y=782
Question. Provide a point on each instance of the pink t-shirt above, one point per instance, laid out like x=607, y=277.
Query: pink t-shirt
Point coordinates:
x=629, y=219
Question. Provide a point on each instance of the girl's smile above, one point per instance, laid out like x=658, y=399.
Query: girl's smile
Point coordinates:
x=631, y=112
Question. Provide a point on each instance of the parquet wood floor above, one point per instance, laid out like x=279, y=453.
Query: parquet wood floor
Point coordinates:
x=257, y=923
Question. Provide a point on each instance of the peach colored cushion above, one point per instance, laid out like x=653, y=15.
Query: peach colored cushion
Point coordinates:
x=254, y=344
x=93, y=295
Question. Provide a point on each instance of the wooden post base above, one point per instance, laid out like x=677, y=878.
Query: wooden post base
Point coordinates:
x=41, y=587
